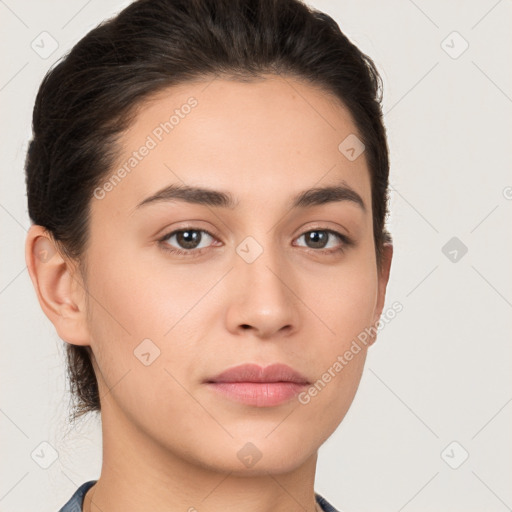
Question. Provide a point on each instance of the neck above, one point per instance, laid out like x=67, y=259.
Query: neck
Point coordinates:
x=140, y=474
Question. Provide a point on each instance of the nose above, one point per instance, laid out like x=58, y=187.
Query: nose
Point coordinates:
x=263, y=299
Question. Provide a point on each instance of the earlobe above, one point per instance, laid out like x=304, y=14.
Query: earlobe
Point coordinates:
x=59, y=290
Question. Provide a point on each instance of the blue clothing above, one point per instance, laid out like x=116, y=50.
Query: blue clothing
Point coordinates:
x=75, y=502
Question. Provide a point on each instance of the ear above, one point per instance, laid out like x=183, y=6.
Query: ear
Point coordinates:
x=383, y=278
x=58, y=285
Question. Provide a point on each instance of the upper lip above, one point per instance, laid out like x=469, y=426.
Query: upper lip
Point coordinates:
x=254, y=373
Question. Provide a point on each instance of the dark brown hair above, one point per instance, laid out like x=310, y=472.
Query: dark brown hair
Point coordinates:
x=89, y=98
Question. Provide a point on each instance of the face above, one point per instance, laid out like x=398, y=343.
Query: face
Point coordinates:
x=185, y=285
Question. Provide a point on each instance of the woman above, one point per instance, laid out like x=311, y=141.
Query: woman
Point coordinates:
x=207, y=185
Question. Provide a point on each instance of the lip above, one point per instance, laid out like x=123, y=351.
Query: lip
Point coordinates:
x=259, y=386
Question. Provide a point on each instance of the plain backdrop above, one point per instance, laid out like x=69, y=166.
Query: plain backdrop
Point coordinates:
x=429, y=429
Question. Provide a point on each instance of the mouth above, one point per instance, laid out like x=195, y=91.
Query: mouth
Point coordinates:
x=254, y=385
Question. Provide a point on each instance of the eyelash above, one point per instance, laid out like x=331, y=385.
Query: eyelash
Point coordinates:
x=346, y=242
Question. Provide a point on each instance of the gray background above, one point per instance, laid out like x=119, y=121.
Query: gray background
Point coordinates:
x=440, y=371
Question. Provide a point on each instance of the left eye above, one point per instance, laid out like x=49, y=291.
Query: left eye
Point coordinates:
x=189, y=241
x=320, y=237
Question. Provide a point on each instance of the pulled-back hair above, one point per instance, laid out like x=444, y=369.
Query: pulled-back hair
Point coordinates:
x=89, y=98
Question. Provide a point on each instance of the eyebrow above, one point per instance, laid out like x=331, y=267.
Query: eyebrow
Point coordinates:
x=216, y=198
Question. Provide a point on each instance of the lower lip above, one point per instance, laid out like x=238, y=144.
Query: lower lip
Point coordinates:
x=259, y=394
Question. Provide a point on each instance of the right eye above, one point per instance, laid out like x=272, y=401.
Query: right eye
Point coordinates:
x=187, y=239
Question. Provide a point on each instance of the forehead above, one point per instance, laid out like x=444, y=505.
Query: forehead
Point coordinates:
x=264, y=140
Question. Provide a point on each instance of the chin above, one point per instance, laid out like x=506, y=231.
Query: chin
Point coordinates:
x=258, y=456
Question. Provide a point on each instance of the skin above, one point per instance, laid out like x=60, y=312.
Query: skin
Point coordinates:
x=169, y=442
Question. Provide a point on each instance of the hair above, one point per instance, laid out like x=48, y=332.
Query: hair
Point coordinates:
x=90, y=97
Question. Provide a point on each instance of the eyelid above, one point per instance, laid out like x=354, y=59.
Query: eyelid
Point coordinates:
x=192, y=225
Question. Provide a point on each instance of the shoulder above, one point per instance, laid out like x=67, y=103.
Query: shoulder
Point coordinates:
x=75, y=502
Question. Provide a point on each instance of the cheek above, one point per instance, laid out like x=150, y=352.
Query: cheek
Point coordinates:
x=332, y=394
x=123, y=308
x=135, y=295
x=136, y=299
x=347, y=307
x=348, y=301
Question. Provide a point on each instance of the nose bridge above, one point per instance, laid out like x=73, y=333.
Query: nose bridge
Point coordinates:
x=260, y=258
x=264, y=300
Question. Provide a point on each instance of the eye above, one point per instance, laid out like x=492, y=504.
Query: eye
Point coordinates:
x=188, y=240
x=193, y=242
x=319, y=239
